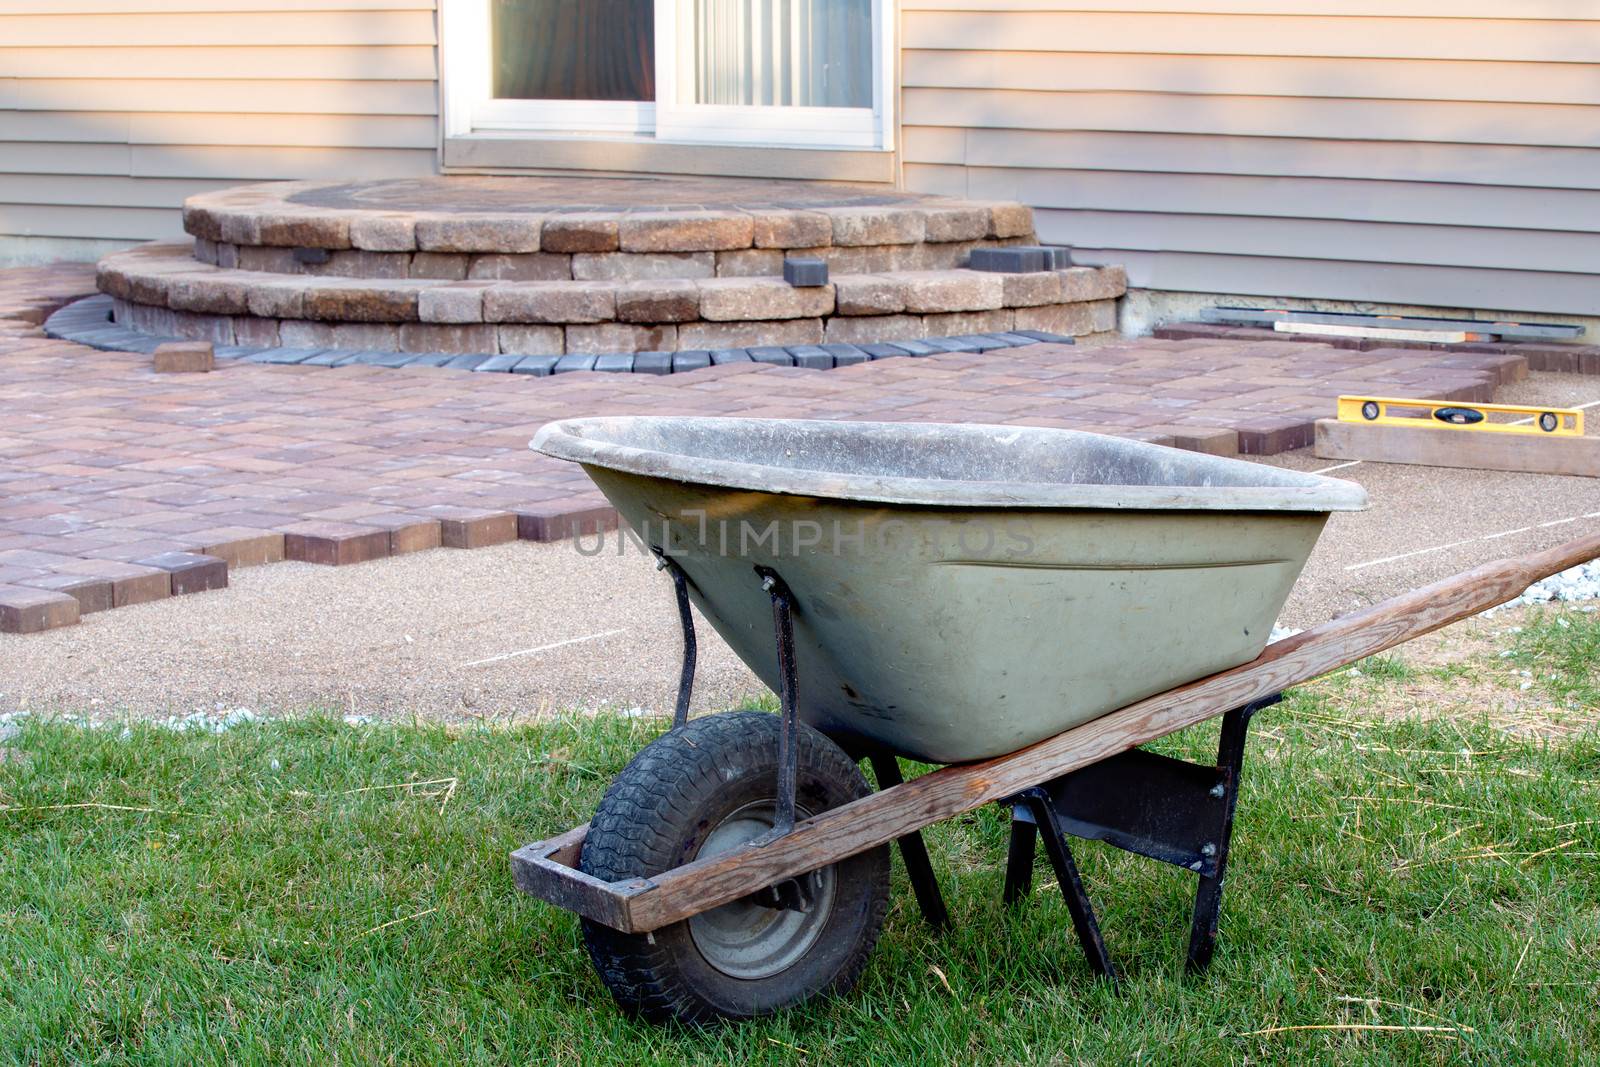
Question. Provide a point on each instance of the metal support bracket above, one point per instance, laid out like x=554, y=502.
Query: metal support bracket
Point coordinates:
x=788, y=684
x=1151, y=805
x=914, y=851
x=680, y=585
x=1035, y=813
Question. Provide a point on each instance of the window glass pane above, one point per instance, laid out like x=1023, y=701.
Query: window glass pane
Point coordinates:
x=784, y=53
x=574, y=49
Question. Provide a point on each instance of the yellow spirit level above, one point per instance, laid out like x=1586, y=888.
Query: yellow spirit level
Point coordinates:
x=1448, y=414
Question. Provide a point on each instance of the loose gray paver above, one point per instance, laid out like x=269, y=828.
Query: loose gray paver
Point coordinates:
x=652, y=362
x=952, y=344
x=812, y=357
x=885, y=351
x=574, y=361
x=1019, y=259
x=298, y=355
x=498, y=364
x=690, y=359
x=846, y=355
x=615, y=362
x=982, y=341
x=805, y=271
x=538, y=366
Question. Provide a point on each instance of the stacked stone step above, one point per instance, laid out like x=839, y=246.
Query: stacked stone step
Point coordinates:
x=273, y=266
x=159, y=290
x=261, y=228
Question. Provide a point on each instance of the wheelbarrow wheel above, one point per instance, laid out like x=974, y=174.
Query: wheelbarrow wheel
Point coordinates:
x=703, y=789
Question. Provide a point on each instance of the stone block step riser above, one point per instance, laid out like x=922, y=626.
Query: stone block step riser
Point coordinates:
x=1070, y=319
x=587, y=266
x=160, y=275
x=160, y=291
x=524, y=216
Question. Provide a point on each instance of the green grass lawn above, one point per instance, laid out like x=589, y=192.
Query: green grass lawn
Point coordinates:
x=277, y=894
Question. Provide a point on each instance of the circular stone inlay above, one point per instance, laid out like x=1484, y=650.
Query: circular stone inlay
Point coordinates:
x=544, y=196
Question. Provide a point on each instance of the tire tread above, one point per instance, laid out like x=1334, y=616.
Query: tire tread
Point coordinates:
x=639, y=828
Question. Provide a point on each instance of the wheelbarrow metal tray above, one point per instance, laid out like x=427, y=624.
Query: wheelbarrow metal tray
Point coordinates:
x=547, y=869
x=963, y=591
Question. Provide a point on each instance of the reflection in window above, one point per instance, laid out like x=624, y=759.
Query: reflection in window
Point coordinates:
x=574, y=49
x=796, y=53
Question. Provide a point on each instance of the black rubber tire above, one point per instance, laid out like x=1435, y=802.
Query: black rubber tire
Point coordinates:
x=655, y=816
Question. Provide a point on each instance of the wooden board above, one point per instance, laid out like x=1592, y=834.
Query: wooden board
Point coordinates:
x=1443, y=447
x=1376, y=333
x=546, y=868
x=549, y=871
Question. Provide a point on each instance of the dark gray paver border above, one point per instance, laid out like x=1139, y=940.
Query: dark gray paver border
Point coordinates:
x=88, y=322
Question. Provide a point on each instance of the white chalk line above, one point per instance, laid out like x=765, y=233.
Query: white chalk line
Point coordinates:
x=1471, y=540
x=1579, y=407
x=545, y=648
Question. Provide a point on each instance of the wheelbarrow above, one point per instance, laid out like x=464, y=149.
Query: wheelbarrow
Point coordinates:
x=1026, y=606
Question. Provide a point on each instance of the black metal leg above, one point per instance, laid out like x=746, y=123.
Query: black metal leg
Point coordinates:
x=1077, y=898
x=1208, y=897
x=680, y=585
x=788, y=737
x=914, y=852
x=1019, y=860
x=1145, y=803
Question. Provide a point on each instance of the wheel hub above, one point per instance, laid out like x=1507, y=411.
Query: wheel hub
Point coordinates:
x=766, y=932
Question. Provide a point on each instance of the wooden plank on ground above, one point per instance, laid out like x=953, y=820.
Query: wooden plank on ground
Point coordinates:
x=884, y=816
x=1376, y=333
x=1443, y=447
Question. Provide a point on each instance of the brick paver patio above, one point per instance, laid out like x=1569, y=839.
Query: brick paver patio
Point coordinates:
x=118, y=485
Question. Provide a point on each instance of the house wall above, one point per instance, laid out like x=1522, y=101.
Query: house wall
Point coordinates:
x=112, y=111
x=1421, y=152
x=1405, y=152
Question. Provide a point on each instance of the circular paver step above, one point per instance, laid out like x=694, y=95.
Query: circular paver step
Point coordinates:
x=544, y=229
x=161, y=290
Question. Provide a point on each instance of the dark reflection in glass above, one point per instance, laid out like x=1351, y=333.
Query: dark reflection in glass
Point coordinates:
x=574, y=49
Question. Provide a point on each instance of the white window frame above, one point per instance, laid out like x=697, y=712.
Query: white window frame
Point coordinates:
x=470, y=109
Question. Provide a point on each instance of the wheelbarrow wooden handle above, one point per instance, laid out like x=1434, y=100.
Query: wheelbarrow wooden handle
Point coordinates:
x=881, y=817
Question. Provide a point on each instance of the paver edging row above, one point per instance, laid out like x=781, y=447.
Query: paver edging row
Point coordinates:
x=88, y=322
x=61, y=598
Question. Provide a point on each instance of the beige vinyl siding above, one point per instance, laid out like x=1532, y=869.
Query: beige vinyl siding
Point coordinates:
x=113, y=111
x=1442, y=152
